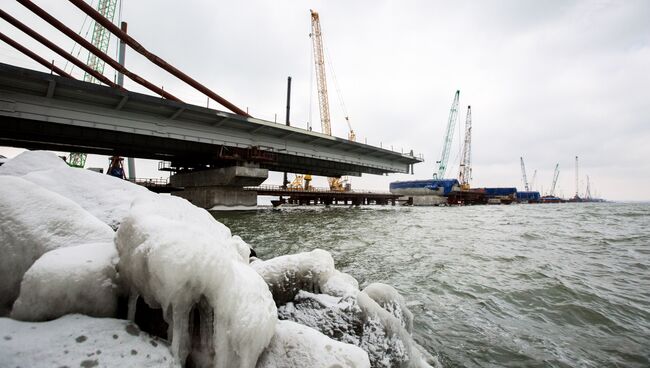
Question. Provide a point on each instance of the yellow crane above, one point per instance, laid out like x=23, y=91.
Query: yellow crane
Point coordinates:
x=336, y=184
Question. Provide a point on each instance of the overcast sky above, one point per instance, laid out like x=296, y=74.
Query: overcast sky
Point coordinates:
x=547, y=80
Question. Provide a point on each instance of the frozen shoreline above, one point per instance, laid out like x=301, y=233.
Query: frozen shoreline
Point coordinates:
x=87, y=242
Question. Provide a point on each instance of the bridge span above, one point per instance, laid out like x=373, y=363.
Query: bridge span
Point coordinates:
x=44, y=111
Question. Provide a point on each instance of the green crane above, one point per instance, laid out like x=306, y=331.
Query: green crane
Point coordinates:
x=100, y=39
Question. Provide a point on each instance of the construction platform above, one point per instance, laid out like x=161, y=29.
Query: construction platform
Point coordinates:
x=315, y=196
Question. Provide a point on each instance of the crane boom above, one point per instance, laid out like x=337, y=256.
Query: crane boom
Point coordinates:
x=319, y=60
x=576, y=195
x=556, y=174
x=466, y=156
x=446, y=147
x=523, y=174
x=532, y=181
x=100, y=38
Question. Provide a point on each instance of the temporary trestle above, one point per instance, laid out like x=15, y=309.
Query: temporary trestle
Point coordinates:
x=316, y=196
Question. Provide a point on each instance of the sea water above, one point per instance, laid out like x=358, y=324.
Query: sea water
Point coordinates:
x=560, y=285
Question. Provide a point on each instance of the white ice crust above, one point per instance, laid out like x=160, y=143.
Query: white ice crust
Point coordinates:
x=295, y=345
x=173, y=254
x=60, y=254
x=80, y=341
x=390, y=300
x=76, y=279
x=33, y=221
x=104, y=196
x=311, y=271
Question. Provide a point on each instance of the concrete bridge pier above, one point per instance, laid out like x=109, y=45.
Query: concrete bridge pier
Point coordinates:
x=220, y=187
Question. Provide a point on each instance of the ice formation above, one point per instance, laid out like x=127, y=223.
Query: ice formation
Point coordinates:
x=390, y=300
x=295, y=345
x=76, y=279
x=309, y=290
x=104, y=196
x=178, y=257
x=80, y=341
x=35, y=220
x=311, y=271
x=59, y=255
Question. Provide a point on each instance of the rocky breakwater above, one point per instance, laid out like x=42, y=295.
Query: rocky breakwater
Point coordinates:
x=97, y=271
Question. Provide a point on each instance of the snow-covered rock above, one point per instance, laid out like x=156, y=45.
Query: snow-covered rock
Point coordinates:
x=104, y=196
x=34, y=220
x=310, y=271
x=80, y=341
x=390, y=300
x=309, y=290
x=77, y=279
x=59, y=254
x=358, y=320
x=295, y=345
x=179, y=258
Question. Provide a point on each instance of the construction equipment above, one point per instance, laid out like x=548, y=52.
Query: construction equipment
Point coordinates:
x=466, y=156
x=576, y=195
x=451, y=123
x=335, y=184
x=321, y=81
x=76, y=159
x=523, y=174
x=532, y=181
x=556, y=174
x=100, y=39
x=300, y=182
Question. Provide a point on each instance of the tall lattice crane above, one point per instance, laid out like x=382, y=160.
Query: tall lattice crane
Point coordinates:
x=446, y=147
x=556, y=174
x=466, y=156
x=316, y=35
x=100, y=39
x=523, y=174
x=321, y=80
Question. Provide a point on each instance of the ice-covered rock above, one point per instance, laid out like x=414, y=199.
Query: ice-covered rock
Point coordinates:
x=80, y=341
x=106, y=197
x=34, y=220
x=391, y=300
x=179, y=258
x=309, y=290
x=76, y=279
x=295, y=345
x=310, y=271
x=358, y=320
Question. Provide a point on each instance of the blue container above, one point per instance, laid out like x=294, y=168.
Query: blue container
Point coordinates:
x=424, y=187
x=500, y=192
x=528, y=196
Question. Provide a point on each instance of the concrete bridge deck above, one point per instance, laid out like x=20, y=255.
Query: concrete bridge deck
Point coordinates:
x=43, y=111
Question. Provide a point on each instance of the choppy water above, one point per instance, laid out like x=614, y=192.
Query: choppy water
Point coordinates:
x=559, y=285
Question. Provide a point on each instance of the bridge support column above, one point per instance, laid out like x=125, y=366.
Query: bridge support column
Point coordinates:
x=223, y=187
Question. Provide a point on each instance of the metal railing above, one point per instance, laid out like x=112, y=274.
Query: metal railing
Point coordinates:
x=150, y=182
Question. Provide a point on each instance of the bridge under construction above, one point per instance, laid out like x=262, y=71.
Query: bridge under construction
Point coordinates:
x=213, y=154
